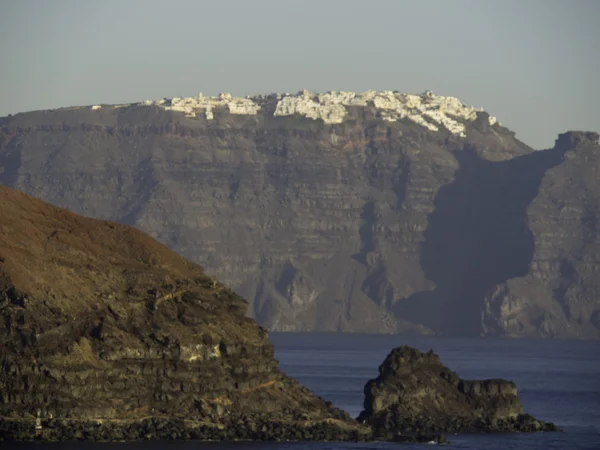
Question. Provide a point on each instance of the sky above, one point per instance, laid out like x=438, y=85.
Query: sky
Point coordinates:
x=535, y=64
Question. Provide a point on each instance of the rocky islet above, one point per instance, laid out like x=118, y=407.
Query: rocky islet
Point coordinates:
x=416, y=393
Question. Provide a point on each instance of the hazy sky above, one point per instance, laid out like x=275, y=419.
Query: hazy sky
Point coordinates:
x=535, y=64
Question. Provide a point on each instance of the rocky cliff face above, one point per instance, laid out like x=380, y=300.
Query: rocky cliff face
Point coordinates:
x=559, y=294
x=416, y=392
x=378, y=212
x=107, y=334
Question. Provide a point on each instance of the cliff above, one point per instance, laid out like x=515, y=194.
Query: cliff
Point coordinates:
x=372, y=212
x=106, y=334
x=415, y=392
x=559, y=294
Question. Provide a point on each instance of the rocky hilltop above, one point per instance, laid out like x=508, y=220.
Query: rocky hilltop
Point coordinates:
x=106, y=334
x=415, y=392
x=341, y=211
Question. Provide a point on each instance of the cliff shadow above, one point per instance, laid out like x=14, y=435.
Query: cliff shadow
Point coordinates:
x=145, y=183
x=398, y=181
x=477, y=236
x=368, y=217
x=10, y=163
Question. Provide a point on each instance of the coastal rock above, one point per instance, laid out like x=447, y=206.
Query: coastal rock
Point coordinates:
x=415, y=392
x=558, y=294
x=105, y=334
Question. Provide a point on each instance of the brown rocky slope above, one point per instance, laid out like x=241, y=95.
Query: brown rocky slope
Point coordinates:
x=107, y=334
x=365, y=225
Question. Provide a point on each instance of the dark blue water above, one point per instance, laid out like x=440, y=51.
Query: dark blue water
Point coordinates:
x=559, y=381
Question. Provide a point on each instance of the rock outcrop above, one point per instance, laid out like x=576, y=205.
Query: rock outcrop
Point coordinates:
x=106, y=334
x=559, y=293
x=338, y=211
x=415, y=392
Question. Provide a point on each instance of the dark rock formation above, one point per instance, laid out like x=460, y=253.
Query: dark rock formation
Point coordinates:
x=366, y=225
x=416, y=393
x=559, y=293
x=106, y=334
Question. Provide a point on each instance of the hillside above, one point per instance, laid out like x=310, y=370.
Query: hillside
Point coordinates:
x=106, y=334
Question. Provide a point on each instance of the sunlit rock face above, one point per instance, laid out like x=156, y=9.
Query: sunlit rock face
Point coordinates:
x=372, y=212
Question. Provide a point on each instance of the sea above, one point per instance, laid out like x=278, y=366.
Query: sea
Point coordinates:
x=558, y=381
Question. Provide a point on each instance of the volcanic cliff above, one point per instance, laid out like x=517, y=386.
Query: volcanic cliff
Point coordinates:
x=376, y=212
x=106, y=334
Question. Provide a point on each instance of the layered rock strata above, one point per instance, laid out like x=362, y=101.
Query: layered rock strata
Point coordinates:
x=559, y=294
x=368, y=225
